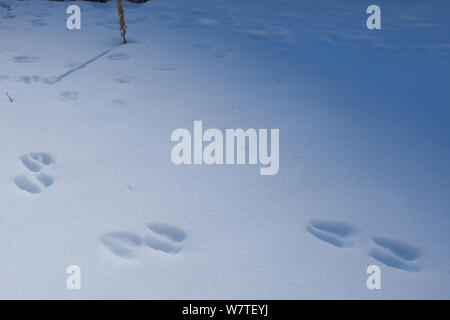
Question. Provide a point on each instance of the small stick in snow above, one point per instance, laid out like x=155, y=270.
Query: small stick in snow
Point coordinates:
x=123, y=26
x=9, y=97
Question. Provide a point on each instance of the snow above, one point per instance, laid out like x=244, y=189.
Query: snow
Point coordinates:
x=86, y=177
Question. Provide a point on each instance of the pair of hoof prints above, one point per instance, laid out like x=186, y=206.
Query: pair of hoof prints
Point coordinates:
x=162, y=237
x=35, y=180
x=391, y=252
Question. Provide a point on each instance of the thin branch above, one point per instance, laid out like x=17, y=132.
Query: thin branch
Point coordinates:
x=9, y=97
x=123, y=26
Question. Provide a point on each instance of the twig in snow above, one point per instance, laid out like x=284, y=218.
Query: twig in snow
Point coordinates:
x=123, y=26
x=9, y=97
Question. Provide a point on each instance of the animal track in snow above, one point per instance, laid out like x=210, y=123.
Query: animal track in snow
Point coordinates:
x=396, y=254
x=171, y=232
x=30, y=79
x=35, y=180
x=118, y=56
x=22, y=182
x=42, y=157
x=166, y=67
x=25, y=59
x=124, y=79
x=31, y=165
x=160, y=244
x=45, y=179
x=221, y=54
x=338, y=234
x=122, y=244
x=69, y=96
x=391, y=252
x=163, y=237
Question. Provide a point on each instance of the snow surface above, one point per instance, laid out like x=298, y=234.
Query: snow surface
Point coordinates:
x=86, y=177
